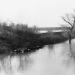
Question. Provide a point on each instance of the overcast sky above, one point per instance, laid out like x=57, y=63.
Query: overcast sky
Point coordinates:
x=45, y=13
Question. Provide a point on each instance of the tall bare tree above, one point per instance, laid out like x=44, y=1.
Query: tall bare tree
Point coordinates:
x=71, y=23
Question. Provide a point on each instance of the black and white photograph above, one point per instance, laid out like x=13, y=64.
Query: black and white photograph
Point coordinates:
x=37, y=37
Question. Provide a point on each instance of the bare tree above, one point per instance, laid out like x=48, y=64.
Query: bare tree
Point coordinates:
x=70, y=20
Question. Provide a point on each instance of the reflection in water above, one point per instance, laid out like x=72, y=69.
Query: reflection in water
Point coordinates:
x=46, y=61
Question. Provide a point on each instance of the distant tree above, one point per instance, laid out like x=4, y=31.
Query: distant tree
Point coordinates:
x=35, y=28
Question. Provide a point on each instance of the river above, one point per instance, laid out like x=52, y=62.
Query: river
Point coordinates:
x=50, y=60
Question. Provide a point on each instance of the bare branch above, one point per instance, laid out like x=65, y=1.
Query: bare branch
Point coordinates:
x=67, y=16
x=73, y=27
x=67, y=21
